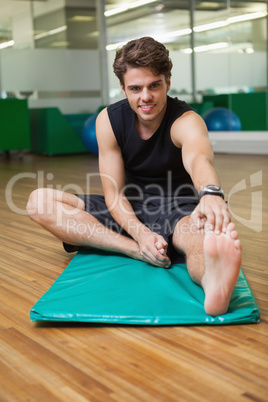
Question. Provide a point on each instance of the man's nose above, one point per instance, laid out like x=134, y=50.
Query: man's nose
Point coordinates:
x=146, y=95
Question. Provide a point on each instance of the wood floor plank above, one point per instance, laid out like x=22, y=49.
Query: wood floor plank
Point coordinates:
x=87, y=362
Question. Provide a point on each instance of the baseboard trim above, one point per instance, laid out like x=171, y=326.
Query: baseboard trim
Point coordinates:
x=240, y=142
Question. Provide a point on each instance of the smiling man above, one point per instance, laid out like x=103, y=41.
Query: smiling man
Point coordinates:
x=162, y=197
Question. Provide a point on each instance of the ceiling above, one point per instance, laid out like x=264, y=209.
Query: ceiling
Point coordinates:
x=157, y=18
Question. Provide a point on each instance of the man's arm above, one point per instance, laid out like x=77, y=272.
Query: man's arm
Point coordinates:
x=189, y=133
x=152, y=246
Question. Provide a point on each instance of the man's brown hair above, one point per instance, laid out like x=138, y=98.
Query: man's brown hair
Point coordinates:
x=143, y=52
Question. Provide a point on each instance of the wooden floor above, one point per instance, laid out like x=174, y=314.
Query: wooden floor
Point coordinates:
x=70, y=362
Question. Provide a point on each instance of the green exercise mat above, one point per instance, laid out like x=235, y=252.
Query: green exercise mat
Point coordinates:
x=99, y=287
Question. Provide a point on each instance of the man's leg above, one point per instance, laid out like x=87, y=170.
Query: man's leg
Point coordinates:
x=213, y=261
x=64, y=215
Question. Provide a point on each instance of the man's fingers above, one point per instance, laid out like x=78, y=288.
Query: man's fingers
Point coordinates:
x=226, y=220
x=161, y=246
x=222, y=218
x=213, y=216
x=157, y=260
x=155, y=257
x=153, y=248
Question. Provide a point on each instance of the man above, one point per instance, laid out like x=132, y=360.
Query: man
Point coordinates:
x=154, y=158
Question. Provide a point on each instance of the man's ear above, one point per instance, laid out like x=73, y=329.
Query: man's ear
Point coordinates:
x=168, y=83
x=123, y=89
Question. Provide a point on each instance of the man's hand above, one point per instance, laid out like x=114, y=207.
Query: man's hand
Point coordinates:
x=153, y=248
x=212, y=213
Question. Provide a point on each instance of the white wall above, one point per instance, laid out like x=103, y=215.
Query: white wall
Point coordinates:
x=223, y=71
x=79, y=70
x=53, y=71
x=233, y=69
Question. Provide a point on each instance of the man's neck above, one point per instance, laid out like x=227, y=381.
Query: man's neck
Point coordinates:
x=147, y=128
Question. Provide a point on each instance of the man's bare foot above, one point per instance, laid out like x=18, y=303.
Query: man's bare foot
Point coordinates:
x=223, y=258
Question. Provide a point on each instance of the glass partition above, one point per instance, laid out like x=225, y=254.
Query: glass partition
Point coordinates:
x=166, y=21
x=218, y=48
x=49, y=51
x=231, y=61
x=49, y=54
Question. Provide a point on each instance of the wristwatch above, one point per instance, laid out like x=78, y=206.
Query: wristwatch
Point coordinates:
x=212, y=190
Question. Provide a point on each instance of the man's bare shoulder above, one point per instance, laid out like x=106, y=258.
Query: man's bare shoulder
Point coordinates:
x=104, y=131
x=188, y=127
x=102, y=116
x=103, y=123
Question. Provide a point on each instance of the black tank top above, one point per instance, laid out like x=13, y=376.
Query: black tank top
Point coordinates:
x=154, y=165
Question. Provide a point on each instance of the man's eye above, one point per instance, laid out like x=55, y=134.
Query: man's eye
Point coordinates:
x=135, y=88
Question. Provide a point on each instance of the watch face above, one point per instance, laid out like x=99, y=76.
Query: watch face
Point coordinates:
x=214, y=188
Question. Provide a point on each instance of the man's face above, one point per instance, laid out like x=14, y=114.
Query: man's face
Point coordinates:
x=146, y=93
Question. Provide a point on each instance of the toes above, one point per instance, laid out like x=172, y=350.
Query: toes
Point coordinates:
x=230, y=227
x=234, y=235
x=237, y=245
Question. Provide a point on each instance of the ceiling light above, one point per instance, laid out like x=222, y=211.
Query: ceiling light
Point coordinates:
x=247, y=17
x=200, y=28
x=206, y=48
x=212, y=25
x=209, y=4
x=231, y=20
x=9, y=43
x=81, y=18
x=187, y=51
x=41, y=35
x=60, y=44
x=212, y=46
x=93, y=34
x=181, y=32
x=160, y=37
x=57, y=30
x=115, y=11
x=114, y=46
x=126, y=7
x=140, y=3
x=51, y=32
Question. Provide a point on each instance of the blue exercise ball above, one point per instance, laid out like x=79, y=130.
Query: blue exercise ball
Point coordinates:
x=89, y=138
x=222, y=119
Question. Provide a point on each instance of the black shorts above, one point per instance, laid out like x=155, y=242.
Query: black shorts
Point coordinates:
x=159, y=214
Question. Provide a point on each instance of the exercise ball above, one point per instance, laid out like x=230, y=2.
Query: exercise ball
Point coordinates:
x=89, y=138
x=222, y=119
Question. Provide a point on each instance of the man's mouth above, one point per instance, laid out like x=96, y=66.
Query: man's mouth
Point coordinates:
x=146, y=108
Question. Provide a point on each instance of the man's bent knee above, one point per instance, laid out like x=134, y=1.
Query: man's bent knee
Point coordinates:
x=38, y=203
x=185, y=227
x=45, y=205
